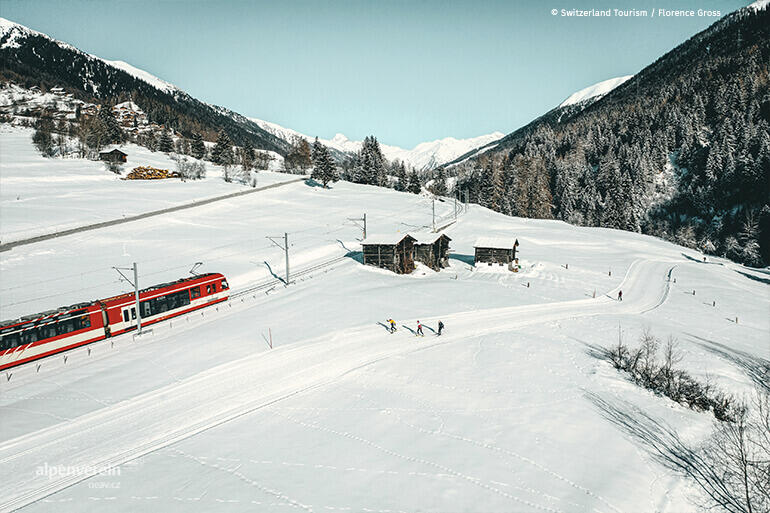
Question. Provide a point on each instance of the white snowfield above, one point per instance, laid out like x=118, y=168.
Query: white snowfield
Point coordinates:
x=340, y=415
x=597, y=90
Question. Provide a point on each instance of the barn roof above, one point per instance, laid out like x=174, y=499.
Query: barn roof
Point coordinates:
x=113, y=151
x=427, y=237
x=495, y=242
x=387, y=239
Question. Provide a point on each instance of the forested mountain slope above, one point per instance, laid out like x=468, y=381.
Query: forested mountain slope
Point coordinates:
x=681, y=150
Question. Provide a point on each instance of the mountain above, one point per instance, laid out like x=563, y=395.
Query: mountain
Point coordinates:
x=574, y=104
x=424, y=156
x=29, y=58
x=594, y=92
x=681, y=150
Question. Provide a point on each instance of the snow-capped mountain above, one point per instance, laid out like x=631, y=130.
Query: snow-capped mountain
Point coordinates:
x=48, y=64
x=424, y=156
x=595, y=91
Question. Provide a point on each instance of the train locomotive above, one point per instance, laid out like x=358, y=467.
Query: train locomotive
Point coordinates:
x=37, y=336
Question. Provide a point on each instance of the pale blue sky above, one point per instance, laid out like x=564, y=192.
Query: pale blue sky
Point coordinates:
x=405, y=71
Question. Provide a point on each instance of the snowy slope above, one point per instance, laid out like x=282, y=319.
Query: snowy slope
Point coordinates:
x=595, y=91
x=499, y=414
x=426, y=155
x=11, y=32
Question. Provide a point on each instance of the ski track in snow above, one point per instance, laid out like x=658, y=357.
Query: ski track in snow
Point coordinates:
x=182, y=409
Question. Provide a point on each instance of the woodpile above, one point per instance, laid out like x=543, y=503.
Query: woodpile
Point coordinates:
x=150, y=173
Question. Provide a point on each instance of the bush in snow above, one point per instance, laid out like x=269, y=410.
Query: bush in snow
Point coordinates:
x=190, y=170
x=662, y=377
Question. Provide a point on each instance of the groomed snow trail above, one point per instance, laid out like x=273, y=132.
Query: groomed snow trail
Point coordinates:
x=122, y=432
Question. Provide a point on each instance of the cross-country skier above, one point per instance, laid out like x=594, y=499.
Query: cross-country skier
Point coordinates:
x=419, y=329
x=620, y=295
x=392, y=325
x=440, y=327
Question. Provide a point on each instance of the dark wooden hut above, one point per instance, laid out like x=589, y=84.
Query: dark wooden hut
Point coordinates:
x=394, y=252
x=492, y=250
x=432, y=249
x=113, y=156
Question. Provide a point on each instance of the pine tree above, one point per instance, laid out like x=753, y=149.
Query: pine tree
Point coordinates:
x=42, y=137
x=247, y=157
x=325, y=169
x=165, y=143
x=438, y=187
x=112, y=132
x=415, y=187
x=401, y=178
x=222, y=153
x=197, y=148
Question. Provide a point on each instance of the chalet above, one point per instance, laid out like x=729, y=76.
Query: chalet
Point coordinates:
x=492, y=250
x=432, y=249
x=394, y=252
x=113, y=156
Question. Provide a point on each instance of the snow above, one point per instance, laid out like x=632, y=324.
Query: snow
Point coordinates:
x=385, y=239
x=498, y=414
x=495, y=242
x=759, y=5
x=154, y=81
x=424, y=156
x=597, y=90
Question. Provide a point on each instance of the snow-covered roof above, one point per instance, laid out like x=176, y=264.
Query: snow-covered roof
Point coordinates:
x=386, y=239
x=427, y=237
x=494, y=242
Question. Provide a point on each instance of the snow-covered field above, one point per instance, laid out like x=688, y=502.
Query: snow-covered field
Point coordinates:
x=498, y=414
x=40, y=195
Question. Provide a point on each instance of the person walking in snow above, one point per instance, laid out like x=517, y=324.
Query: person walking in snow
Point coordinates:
x=392, y=325
x=419, y=329
x=620, y=295
x=440, y=327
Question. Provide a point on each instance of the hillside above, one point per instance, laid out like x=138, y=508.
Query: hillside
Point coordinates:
x=680, y=151
x=509, y=410
x=32, y=59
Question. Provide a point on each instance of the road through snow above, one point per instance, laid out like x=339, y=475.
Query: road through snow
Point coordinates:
x=127, y=430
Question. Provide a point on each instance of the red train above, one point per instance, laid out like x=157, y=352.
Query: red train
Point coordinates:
x=36, y=336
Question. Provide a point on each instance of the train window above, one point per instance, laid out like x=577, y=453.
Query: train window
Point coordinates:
x=195, y=292
x=64, y=327
x=48, y=331
x=125, y=315
x=225, y=286
x=29, y=336
x=9, y=340
x=133, y=311
x=213, y=287
x=179, y=299
x=160, y=306
x=208, y=289
x=85, y=322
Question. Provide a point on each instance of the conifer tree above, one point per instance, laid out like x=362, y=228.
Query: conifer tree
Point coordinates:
x=401, y=178
x=197, y=148
x=222, y=153
x=415, y=187
x=165, y=142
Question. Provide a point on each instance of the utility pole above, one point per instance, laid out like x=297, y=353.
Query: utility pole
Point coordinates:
x=361, y=219
x=135, y=283
x=284, y=247
x=466, y=200
x=434, y=215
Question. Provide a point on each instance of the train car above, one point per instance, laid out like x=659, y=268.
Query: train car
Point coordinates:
x=44, y=334
x=164, y=301
x=37, y=336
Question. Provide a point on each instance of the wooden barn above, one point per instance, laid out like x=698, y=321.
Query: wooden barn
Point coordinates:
x=432, y=249
x=492, y=250
x=394, y=252
x=113, y=156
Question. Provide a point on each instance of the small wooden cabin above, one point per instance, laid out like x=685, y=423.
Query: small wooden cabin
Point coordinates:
x=394, y=252
x=432, y=249
x=492, y=250
x=113, y=156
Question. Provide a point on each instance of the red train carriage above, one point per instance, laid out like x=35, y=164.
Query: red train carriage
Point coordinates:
x=164, y=301
x=37, y=336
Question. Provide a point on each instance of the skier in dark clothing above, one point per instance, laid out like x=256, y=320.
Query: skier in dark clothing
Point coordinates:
x=440, y=327
x=419, y=329
x=620, y=295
